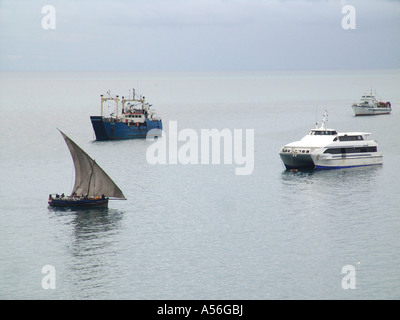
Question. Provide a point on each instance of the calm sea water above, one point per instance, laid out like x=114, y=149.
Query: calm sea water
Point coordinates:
x=198, y=231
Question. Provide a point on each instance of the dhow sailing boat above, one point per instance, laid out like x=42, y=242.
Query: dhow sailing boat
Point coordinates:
x=93, y=187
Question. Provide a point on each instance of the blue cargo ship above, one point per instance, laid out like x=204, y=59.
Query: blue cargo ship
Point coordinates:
x=134, y=122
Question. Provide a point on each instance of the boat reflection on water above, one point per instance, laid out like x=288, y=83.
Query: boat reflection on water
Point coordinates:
x=311, y=192
x=90, y=244
x=87, y=220
x=310, y=178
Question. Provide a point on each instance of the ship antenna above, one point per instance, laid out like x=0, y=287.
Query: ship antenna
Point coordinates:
x=324, y=119
x=316, y=116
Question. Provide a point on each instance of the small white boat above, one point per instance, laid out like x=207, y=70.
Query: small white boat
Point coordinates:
x=369, y=105
x=325, y=148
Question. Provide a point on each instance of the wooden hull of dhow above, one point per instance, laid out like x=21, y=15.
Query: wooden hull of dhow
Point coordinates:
x=78, y=203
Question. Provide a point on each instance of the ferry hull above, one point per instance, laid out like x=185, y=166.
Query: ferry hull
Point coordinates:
x=108, y=130
x=297, y=161
x=339, y=161
x=370, y=111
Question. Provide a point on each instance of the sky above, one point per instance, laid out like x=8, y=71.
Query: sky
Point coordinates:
x=198, y=35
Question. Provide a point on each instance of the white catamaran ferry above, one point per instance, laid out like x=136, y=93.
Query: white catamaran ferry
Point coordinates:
x=325, y=148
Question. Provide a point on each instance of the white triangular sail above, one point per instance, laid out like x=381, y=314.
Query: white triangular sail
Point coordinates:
x=90, y=178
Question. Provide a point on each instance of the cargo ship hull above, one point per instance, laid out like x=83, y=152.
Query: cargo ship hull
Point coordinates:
x=106, y=129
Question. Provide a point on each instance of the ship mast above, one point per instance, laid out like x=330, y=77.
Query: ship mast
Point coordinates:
x=109, y=98
x=141, y=99
x=324, y=120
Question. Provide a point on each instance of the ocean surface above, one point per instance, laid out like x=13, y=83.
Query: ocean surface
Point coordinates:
x=198, y=231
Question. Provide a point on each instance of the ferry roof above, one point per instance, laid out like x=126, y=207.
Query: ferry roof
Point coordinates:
x=353, y=133
x=310, y=141
x=322, y=129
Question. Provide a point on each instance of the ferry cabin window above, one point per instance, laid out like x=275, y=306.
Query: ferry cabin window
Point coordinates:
x=322, y=133
x=350, y=150
x=333, y=150
x=351, y=138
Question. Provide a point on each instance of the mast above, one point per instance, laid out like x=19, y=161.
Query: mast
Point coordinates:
x=101, y=96
x=324, y=120
x=141, y=99
x=116, y=100
x=105, y=99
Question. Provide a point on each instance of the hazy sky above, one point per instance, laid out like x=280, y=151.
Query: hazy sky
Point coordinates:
x=222, y=35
